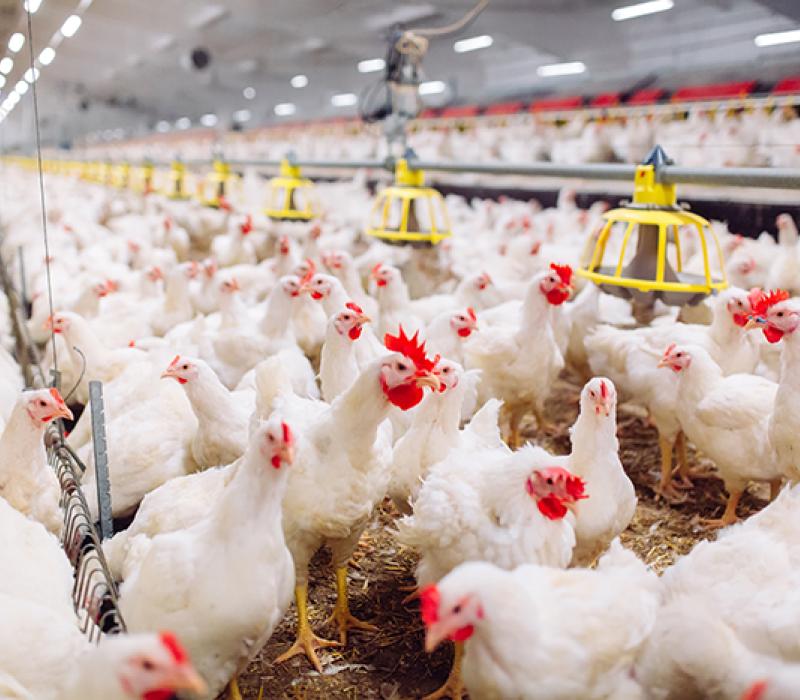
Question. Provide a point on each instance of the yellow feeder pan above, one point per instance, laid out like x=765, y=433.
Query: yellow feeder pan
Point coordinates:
x=142, y=180
x=120, y=175
x=215, y=191
x=407, y=212
x=656, y=219
x=289, y=195
x=176, y=182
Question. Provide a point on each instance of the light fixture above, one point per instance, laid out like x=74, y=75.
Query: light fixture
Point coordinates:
x=31, y=75
x=32, y=5
x=16, y=42
x=47, y=56
x=71, y=25
x=432, y=87
x=249, y=93
x=344, y=99
x=163, y=127
x=209, y=120
x=555, y=69
x=776, y=38
x=21, y=87
x=242, y=115
x=2, y=80
x=484, y=41
x=6, y=65
x=371, y=65
x=641, y=9
x=285, y=109
x=163, y=42
x=299, y=81
x=183, y=123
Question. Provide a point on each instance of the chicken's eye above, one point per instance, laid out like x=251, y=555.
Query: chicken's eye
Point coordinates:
x=592, y=394
x=550, y=480
x=680, y=354
x=402, y=367
x=445, y=370
x=185, y=367
x=456, y=610
x=780, y=314
x=148, y=665
x=42, y=404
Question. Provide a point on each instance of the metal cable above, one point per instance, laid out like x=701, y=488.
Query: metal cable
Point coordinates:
x=41, y=185
x=455, y=26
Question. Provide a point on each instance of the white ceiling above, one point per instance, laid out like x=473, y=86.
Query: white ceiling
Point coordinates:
x=123, y=69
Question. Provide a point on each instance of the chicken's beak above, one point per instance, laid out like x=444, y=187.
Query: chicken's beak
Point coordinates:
x=434, y=636
x=752, y=322
x=427, y=380
x=603, y=407
x=286, y=453
x=361, y=319
x=663, y=362
x=184, y=677
x=571, y=506
x=63, y=412
x=168, y=374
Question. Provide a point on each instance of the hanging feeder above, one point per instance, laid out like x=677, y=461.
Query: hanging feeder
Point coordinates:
x=289, y=196
x=142, y=179
x=176, y=182
x=407, y=212
x=656, y=219
x=120, y=175
x=216, y=189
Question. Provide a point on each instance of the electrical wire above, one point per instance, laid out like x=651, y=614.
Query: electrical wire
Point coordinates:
x=455, y=26
x=41, y=186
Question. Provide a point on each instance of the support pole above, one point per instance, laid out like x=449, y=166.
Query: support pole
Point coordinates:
x=101, y=459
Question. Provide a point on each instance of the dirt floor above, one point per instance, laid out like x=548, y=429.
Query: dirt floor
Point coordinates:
x=392, y=664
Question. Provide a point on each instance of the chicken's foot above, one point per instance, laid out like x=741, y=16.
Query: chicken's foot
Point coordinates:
x=307, y=642
x=729, y=517
x=453, y=687
x=666, y=488
x=341, y=615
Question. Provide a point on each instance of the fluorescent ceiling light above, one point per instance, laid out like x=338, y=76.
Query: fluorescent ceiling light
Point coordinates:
x=242, y=115
x=21, y=87
x=47, y=56
x=206, y=16
x=71, y=25
x=556, y=69
x=371, y=65
x=484, y=41
x=163, y=127
x=163, y=42
x=249, y=93
x=118, y=133
x=285, y=109
x=31, y=76
x=299, y=81
x=345, y=99
x=183, y=123
x=776, y=38
x=6, y=65
x=32, y=5
x=16, y=42
x=641, y=9
x=2, y=80
x=432, y=87
x=209, y=120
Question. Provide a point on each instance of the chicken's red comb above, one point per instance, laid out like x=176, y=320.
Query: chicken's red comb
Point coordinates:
x=471, y=313
x=576, y=487
x=174, y=647
x=767, y=299
x=603, y=389
x=669, y=349
x=167, y=223
x=312, y=269
x=563, y=271
x=175, y=361
x=756, y=691
x=429, y=604
x=288, y=438
x=375, y=270
x=247, y=225
x=354, y=307
x=753, y=296
x=411, y=348
x=57, y=397
x=536, y=247
x=112, y=285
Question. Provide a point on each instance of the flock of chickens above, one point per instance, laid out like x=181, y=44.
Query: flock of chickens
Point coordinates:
x=268, y=385
x=704, y=138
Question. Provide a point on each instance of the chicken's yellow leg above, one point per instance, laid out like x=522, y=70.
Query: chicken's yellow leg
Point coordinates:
x=307, y=642
x=729, y=517
x=666, y=489
x=233, y=690
x=453, y=687
x=341, y=615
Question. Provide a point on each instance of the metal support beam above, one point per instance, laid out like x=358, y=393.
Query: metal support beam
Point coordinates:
x=101, y=459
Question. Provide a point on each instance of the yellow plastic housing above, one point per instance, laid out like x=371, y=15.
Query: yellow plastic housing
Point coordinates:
x=668, y=222
x=176, y=182
x=290, y=196
x=120, y=176
x=215, y=191
x=408, y=211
